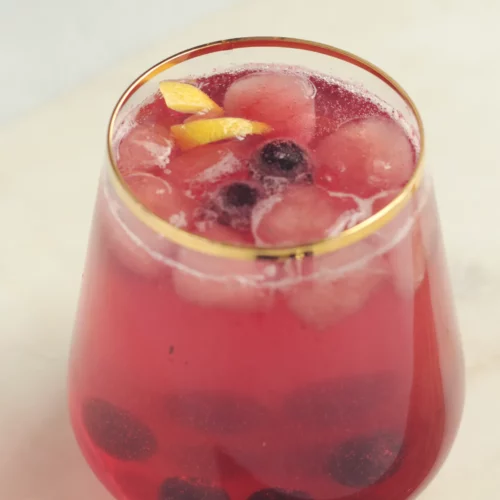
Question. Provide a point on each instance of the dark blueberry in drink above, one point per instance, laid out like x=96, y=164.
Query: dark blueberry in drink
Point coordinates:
x=117, y=432
x=234, y=202
x=340, y=401
x=282, y=155
x=176, y=488
x=282, y=158
x=215, y=412
x=278, y=494
x=240, y=194
x=364, y=461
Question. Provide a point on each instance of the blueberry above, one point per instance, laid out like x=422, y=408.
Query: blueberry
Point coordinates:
x=283, y=155
x=339, y=401
x=117, y=432
x=216, y=412
x=278, y=494
x=176, y=488
x=282, y=158
x=364, y=461
x=233, y=204
x=240, y=194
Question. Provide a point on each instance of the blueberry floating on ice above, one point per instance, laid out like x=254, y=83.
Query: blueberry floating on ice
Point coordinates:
x=117, y=432
x=176, y=488
x=282, y=158
x=234, y=202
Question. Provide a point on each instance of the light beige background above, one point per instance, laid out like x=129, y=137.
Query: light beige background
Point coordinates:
x=60, y=44
x=445, y=52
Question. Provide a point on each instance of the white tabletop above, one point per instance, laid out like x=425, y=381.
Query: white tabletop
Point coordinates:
x=446, y=55
x=60, y=44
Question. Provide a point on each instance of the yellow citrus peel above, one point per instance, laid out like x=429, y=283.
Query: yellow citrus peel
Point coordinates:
x=186, y=98
x=196, y=133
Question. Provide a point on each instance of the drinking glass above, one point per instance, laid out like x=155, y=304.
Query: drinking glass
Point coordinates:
x=207, y=371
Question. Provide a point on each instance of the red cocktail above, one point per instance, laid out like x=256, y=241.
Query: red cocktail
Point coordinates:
x=265, y=311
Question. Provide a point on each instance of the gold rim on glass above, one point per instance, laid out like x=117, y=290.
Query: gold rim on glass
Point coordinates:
x=204, y=245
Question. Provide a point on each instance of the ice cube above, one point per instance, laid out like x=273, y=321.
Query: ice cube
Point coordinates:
x=139, y=249
x=145, y=148
x=302, y=214
x=283, y=100
x=219, y=281
x=383, y=199
x=337, y=285
x=163, y=199
x=203, y=168
x=406, y=238
x=365, y=156
x=427, y=216
x=408, y=263
x=134, y=244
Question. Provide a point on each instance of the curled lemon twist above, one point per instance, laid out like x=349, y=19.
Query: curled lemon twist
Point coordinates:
x=186, y=98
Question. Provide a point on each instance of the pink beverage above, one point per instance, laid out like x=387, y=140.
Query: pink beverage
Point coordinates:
x=265, y=312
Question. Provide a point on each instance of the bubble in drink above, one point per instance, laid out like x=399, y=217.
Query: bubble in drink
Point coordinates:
x=283, y=100
x=365, y=157
x=325, y=125
x=146, y=148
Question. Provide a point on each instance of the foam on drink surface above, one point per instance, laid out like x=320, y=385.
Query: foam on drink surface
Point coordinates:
x=334, y=157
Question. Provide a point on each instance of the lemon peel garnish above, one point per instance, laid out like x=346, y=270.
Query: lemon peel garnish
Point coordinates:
x=197, y=133
x=186, y=98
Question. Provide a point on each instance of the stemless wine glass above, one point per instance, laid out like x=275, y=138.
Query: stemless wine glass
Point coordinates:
x=304, y=372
